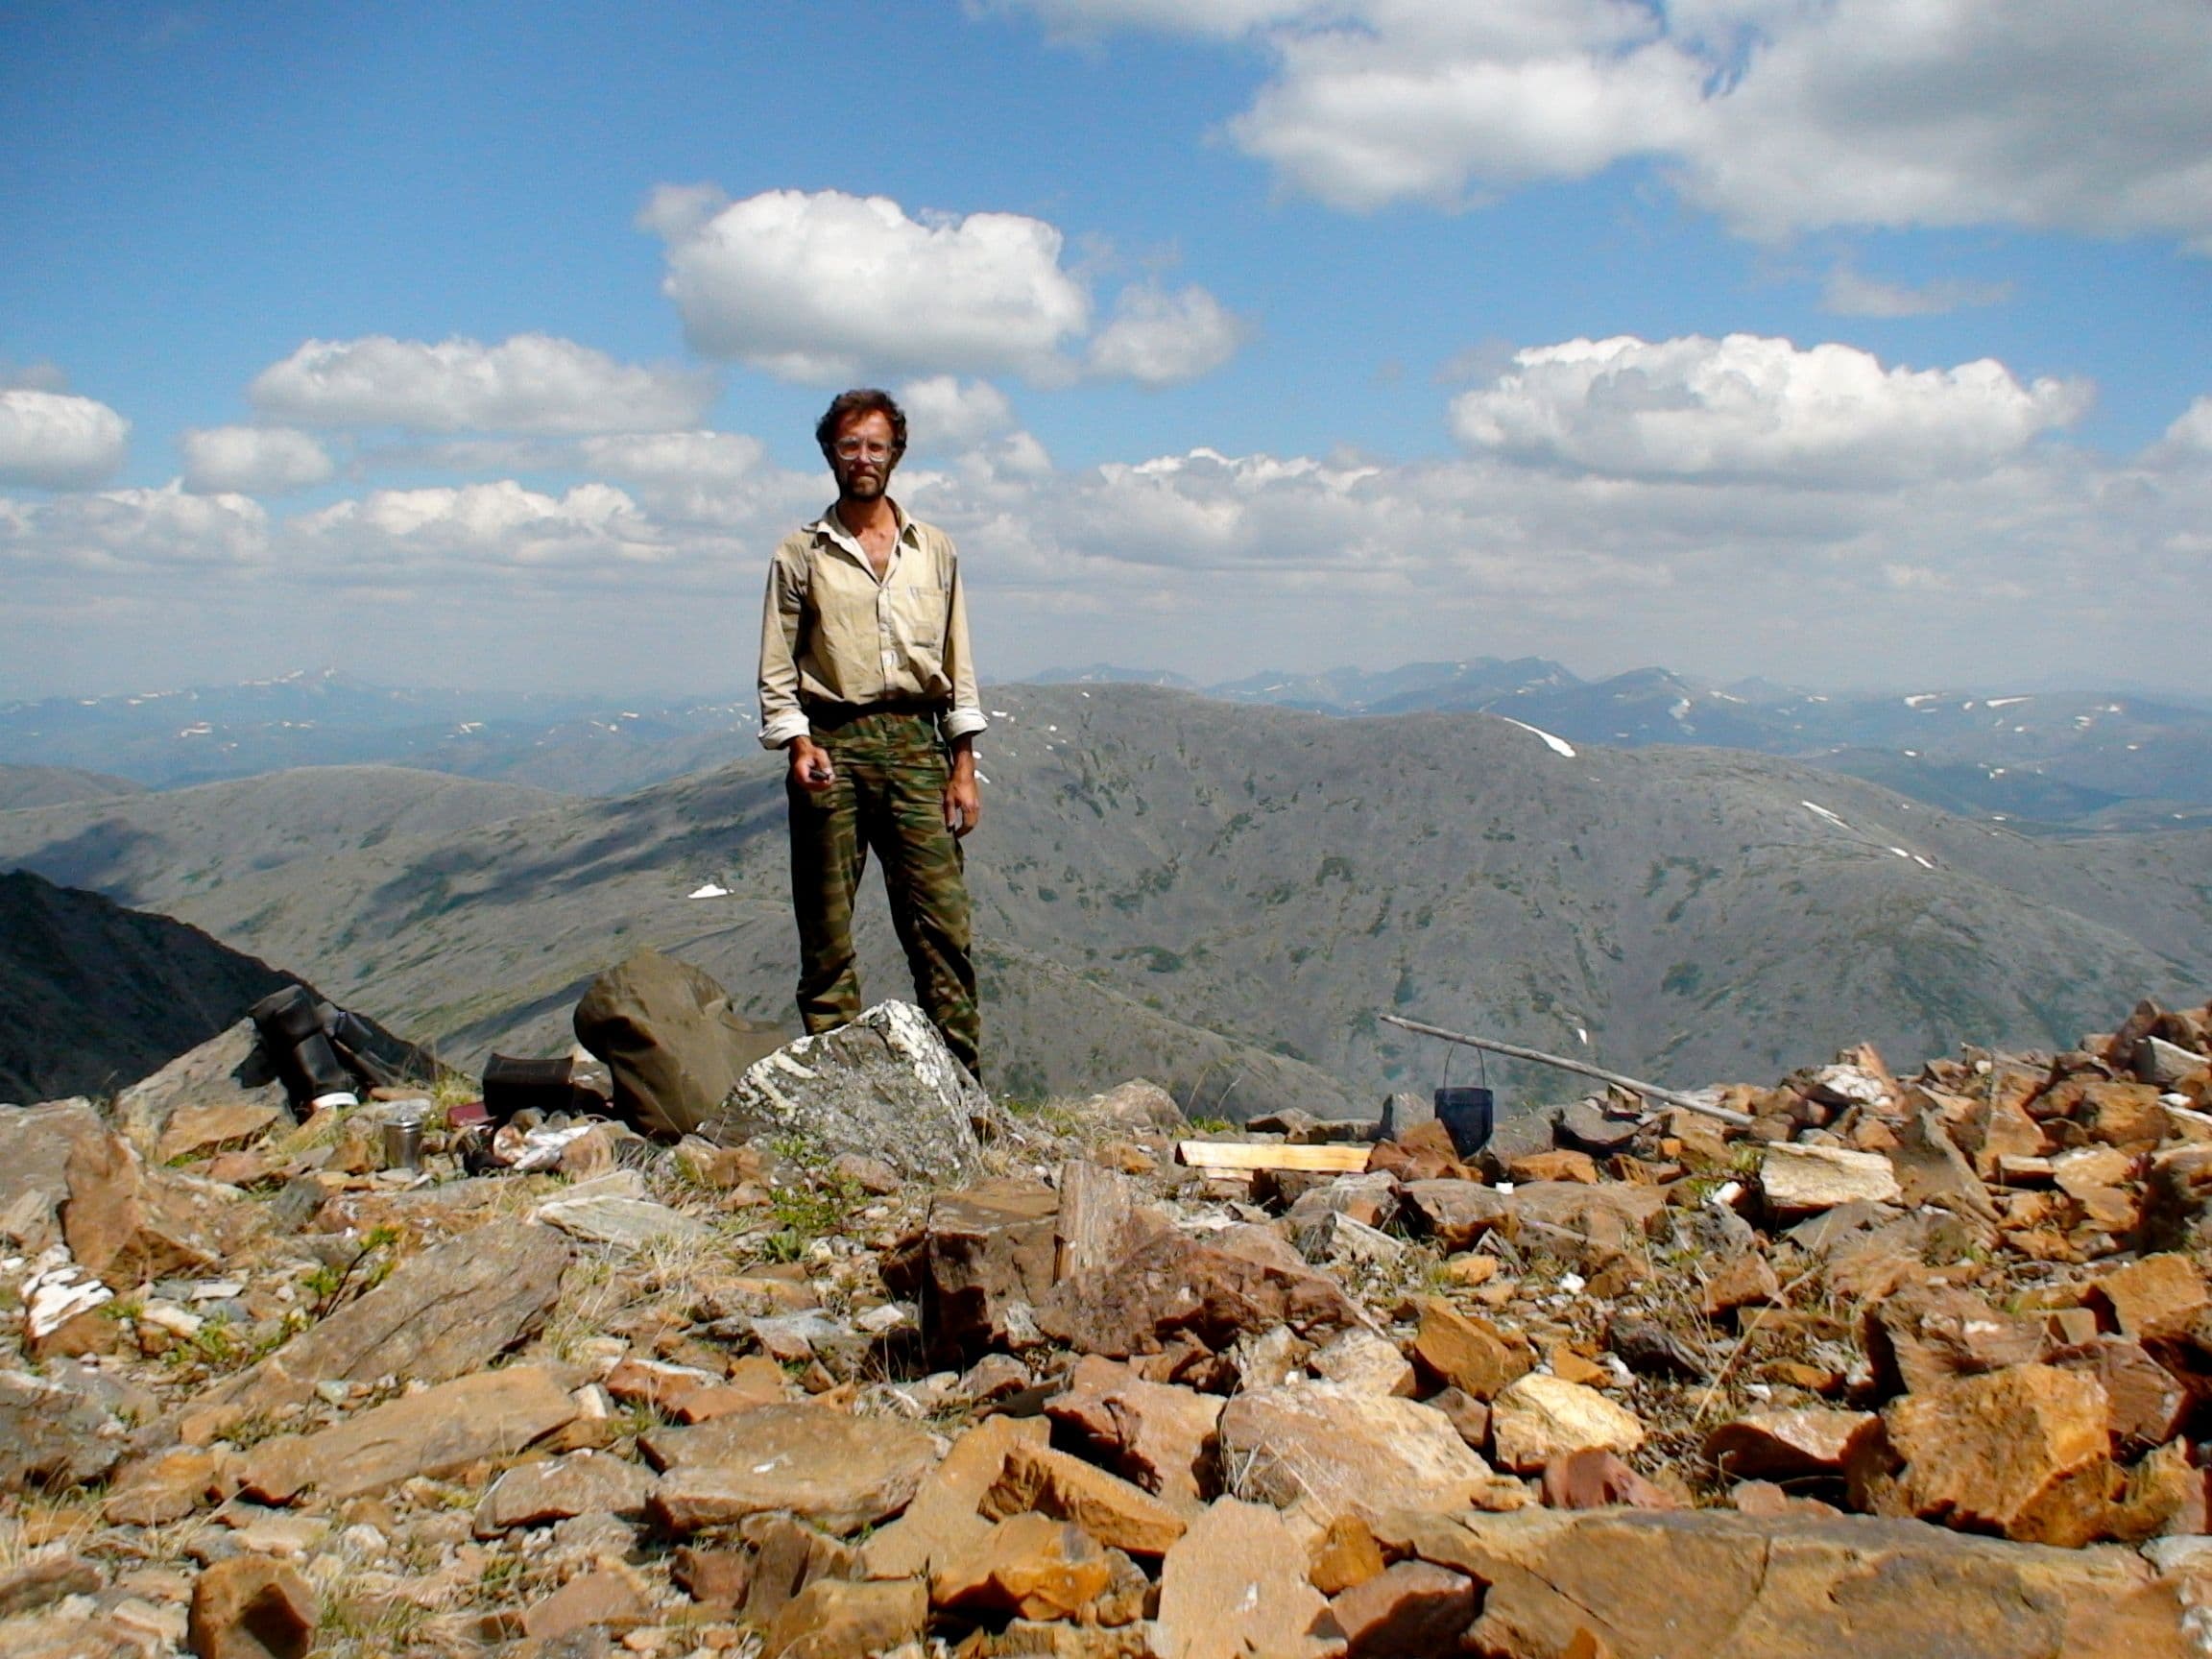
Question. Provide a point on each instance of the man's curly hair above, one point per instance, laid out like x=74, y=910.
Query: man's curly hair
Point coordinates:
x=861, y=400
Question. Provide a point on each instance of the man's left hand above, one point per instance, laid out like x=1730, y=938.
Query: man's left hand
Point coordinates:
x=963, y=802
x=963, y=806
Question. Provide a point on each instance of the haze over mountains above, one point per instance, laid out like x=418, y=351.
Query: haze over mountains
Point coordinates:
x=1224, y=896
x=2083, y=759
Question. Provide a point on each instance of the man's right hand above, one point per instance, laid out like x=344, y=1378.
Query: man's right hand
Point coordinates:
x=810, y=767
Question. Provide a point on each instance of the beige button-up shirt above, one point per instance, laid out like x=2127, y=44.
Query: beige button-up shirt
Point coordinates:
x=832, y=634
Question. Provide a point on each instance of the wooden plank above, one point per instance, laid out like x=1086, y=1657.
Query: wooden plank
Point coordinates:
x=1212, y=1155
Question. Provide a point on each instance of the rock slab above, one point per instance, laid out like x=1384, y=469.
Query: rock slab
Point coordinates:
x=883, y=1087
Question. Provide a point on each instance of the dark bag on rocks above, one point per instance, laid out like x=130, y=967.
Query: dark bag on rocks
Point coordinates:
x=666, y=1031
x=290, y=1022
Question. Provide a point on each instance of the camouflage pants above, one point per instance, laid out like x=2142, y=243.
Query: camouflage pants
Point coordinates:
x=889, y=795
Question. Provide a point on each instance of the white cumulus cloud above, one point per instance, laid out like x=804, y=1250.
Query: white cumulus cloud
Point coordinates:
x=122, y=531
x=530, y=383
x=945, y=412
x=1744, y=406
x=1776, y=114
x=829, y=288
x=57, y=441
x=254, y=460
x=1156, y=338
x=500, y=522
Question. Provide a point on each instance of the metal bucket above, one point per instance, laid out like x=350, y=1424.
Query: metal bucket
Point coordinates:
x=1465, y=1114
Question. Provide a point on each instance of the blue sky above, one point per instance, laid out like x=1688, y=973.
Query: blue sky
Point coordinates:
x=1854, y=343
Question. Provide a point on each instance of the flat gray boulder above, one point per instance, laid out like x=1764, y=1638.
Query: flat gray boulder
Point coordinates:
x=883, y=1087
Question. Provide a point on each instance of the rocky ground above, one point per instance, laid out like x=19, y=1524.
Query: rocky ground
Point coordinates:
x=1915, y=1366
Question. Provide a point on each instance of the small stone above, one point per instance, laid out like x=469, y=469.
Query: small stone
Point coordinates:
x=1741, y=1282
x=604, y=1598
x=1414, y=1607
x=2158, y=1296
x=1538, y=1418
x=1785, y=1445
x=251, y=1607
x=1467, y=1352
x=945, y=1519
x=1562, y=1165
x=1340, y=1453
x=164, y=1489
x=554, y=1489
x=1111, y=1510
x=1364, y=1362
x=1028, y=1565
x=1234, y=1585
x=842, y=1473
x=1345, y=1555
x=1594, y=1479
x=1804, y=1180
x=834, y=1620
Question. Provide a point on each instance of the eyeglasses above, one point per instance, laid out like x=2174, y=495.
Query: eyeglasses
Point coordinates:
x=855, y=448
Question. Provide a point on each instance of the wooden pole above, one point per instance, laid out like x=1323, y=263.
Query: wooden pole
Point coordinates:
x=1514, y=1050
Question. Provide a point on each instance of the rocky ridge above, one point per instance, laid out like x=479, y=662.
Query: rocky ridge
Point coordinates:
x=1910, y=1365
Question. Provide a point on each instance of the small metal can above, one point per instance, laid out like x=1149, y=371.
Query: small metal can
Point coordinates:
x=403, y=1138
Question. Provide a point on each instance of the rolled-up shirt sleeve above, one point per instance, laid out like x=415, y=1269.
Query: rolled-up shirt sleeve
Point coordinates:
x=782, y=719
x=965, y=718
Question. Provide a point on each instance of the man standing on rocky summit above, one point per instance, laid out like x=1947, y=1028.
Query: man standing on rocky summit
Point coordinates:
x=866, y=684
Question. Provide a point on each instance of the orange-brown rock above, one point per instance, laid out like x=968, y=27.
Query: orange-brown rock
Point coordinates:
x=1924, y=1334
x=981, y=1252
x=1741, y=1282
x=1175, y=1285
x=1029, y=1566
x=2024, y=1452
x=1537, y=1418
x=1711, y=1583
x=1343, y=1556
x=252, y=1608
x=945, y=1519
x=1414, y=1607
x=1158, y=1434
x=1234, y=1585
x=1467, y=1352
x=1110, y=1510
x=835, y=1620
x=1335, y=1453
x=434, y=1432
x=1788, y=1444
x=2160, y=1295
x=604, y=1598
x=1562, y=1163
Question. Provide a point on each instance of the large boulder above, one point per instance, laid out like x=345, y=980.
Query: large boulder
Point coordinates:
x=883, y=1087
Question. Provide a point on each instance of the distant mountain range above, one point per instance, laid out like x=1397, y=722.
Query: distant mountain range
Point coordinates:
x=1224, y=896
x=2095, y=761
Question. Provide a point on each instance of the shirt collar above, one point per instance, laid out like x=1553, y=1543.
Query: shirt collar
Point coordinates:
x=829, y=527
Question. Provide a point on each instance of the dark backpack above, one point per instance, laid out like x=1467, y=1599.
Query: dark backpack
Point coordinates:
x=666, y=1031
